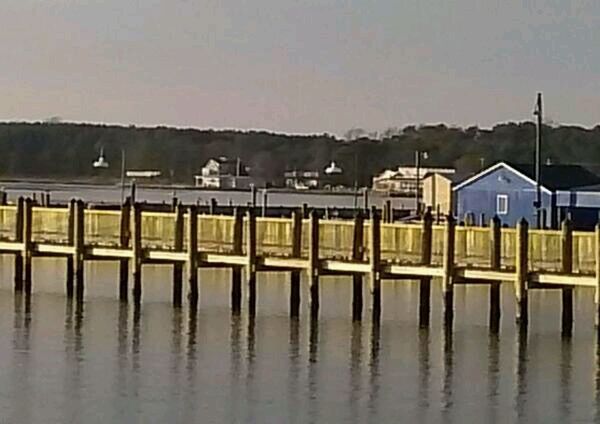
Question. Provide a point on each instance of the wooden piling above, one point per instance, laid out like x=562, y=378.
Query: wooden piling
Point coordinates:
x=296, y=253
x=448, y=270
x=375, y=263
x=425, y=282
x=567, y=268
x=192, y=259
x=313, y=263
x=3, y=198
x=213, y=206
x=357, y=255
x=521, y=279
x=78, y=258
x=178, y=266
x=27, y=244
x=597, y=288
x=71, y=240
x=124, y=236
x=19, y=239
x=265, y=201
x=238, y=249
x=495, y=264
x=251, y=260
x=136, y=247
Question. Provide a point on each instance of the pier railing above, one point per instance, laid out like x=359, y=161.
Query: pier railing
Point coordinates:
x=360, y=247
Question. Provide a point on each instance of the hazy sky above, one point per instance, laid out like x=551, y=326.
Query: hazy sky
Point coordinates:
x=299, y=66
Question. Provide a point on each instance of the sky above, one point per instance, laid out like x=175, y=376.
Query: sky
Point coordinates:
x=299, y=66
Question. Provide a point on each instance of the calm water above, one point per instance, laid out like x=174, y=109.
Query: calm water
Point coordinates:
x=105, y=362
x=112, y=194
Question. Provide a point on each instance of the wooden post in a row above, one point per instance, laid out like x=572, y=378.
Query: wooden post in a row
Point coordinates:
x=19, y=239
x=78, y=255
x=27, y=253
x=178, y=266
x=251, y=260
x=238, y=249
x=3, y=198
x=425, y=282
x=357, y=255
x=124, y=239
x=375, y=264
x=448, y=270
x=70, y=258
x=567, y=268
x=136, y=248
x=597, y=288
x=192, y=260
x=296, y=253
x=314, y=264
x=495, y=264
x=521, y=278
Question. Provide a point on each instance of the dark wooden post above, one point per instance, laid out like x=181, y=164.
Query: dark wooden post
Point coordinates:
x=375, y=263
x=495, y=264
x=597, y=289
x=124, y=236
x=27, y=244
x=448, y=268
x=425, y=282
x=388, y=208
x=213, y=206
x=178, y=266
x=296, y=253
x=521, y=277
x=19, y=239
x=313, y=263
x=251, y=260
x=136, y=247
x=567, y=268
x=366, y=199
x=238, y=249
x=78, y=258
x=192, y=262
x=305, y=211
x=357, y=255
x=71, y=241
x=3, y=198
x=253, y=196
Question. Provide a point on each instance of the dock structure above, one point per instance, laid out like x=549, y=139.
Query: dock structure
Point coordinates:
x=367, y=249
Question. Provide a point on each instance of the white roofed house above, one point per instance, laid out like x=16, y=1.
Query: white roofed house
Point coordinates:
x=223, y=173
x=403, y=180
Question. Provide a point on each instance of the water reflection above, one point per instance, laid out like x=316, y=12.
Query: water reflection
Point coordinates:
x=448, y=367
x=216, y=366
x=493, y=369
x=521, y=374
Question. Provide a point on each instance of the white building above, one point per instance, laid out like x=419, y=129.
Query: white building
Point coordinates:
x=403, y=180
x=223, y=173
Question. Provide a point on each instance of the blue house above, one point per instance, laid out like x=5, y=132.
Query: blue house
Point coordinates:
x=509, y=191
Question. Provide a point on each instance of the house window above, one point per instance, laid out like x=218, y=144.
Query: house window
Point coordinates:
x=502, y=204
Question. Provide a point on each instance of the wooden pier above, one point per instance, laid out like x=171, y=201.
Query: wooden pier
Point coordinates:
x=367, y=250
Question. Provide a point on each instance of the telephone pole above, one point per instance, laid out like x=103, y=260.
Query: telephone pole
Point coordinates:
x=538, y=160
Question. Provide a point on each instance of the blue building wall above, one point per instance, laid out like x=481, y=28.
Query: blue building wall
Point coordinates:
x=480, y=197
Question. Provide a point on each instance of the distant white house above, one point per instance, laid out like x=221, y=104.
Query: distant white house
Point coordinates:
x=302, y=180
x=223, y=173
x=403, y=180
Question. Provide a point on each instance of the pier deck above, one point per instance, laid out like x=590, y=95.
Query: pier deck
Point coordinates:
x=366, y=249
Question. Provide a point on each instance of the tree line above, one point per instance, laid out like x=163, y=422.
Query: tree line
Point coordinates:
x=66, y=151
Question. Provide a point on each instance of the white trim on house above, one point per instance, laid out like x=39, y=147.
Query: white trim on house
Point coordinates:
x=492, y=169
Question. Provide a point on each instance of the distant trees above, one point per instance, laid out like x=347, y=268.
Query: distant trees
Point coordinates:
x=61, y=150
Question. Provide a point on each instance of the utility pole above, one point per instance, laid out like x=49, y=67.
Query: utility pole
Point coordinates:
x=538, y=160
